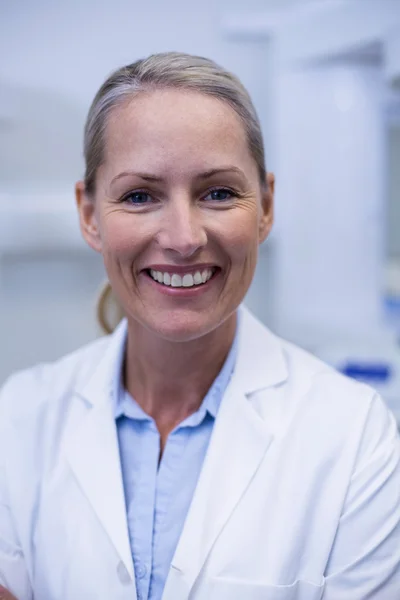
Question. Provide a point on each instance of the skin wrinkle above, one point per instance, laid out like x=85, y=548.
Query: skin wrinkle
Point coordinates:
x=176, y=136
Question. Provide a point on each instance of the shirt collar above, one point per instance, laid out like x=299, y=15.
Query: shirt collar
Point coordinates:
x=125, y=405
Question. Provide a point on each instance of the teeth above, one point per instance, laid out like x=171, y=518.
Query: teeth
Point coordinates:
x=188, y=280
x=176, y=280
x=197, y=278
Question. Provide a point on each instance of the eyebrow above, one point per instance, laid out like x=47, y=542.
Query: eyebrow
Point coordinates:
x=203, y=175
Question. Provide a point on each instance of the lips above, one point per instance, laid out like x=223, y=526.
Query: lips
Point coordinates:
x=186, y=280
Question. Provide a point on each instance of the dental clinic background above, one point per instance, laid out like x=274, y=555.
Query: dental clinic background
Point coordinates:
x=325, y=79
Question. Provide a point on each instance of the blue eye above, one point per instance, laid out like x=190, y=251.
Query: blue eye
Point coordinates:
x=137, y=198
x=141, y=198
x=220, y=195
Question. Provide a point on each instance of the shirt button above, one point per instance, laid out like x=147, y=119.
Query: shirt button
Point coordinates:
x=123, y=574
x=141, y=570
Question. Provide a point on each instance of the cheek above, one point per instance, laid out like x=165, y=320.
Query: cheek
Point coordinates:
x=123, y=236
x=242, y=235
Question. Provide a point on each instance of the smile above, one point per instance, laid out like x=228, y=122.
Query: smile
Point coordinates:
x=187, y=280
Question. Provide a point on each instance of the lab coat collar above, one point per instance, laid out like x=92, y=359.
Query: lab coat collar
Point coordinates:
x=240, y=437
x=103, y=382
x=260, y=361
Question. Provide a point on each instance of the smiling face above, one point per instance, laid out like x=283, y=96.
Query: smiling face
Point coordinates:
x=178, y=212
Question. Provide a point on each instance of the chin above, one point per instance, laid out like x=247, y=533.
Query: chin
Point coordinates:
x=179, y=334
x=183, y=328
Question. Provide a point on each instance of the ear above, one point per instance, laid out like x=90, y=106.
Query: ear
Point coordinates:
x=267, y=208
x=87, y=217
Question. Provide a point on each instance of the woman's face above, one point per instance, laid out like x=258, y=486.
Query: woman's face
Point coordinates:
x=178, y=212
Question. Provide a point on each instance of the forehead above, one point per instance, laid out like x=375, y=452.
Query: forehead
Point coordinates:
x=175, y=131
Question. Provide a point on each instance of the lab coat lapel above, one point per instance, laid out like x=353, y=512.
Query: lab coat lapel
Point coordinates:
x=238, y=445
x=93, y=451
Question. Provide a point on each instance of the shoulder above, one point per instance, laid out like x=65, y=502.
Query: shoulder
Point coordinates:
x=317, y=379
x=28, y=390
x=293, y=373
x=335, y=409
x=300, y=396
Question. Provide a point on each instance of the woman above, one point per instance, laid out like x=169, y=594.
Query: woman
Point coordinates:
x=191, y=454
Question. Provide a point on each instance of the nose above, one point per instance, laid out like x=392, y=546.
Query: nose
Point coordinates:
x=182, y=229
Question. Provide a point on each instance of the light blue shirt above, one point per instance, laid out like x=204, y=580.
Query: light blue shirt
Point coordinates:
x=157, y=496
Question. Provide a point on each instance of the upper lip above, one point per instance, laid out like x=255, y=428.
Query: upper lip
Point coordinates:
x=181, y=270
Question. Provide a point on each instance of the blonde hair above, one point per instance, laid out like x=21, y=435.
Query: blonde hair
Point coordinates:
x=160, y=71
x=109, y=311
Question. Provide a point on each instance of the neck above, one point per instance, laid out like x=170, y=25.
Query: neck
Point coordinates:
x=170, y=379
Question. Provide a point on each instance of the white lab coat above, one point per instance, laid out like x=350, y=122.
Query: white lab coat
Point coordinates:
x=298, y=499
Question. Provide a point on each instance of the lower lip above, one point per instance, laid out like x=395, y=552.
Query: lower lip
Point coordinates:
x=182, y=292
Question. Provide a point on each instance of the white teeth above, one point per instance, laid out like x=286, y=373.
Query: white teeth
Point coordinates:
x=176, y=280
x=187, y=280
x=197, y=278
x=205, y=275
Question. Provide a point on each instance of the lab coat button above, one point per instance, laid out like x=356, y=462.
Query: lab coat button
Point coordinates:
x=123, y=574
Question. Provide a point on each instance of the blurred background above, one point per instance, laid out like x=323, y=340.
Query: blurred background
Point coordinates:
x=325, y=79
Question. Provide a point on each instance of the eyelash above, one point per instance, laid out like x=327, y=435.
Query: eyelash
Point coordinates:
x=216, y=189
